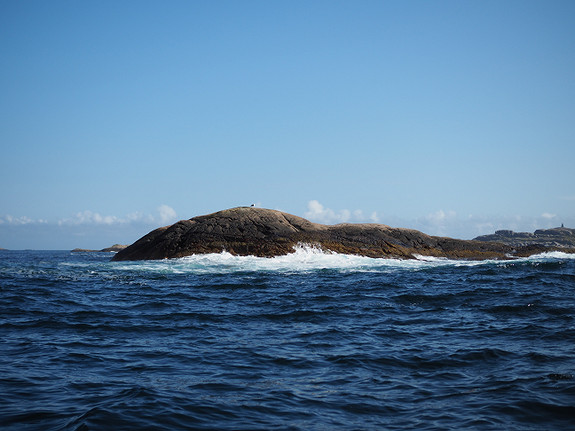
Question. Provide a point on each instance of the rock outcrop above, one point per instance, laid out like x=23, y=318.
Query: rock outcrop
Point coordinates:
x=114, y=248
x=267, y=233
x=561, y=237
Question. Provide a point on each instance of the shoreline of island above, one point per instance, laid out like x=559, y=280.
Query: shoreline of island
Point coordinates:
x=251, y=231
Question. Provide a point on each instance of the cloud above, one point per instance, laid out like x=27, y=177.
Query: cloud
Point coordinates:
x=164, y=215
x=318, y=213
x=440, y=216
x=18, y=221
x=449, y=223
x=89, y=217
x=84, y=229
x=167, y=214
x=437, y=223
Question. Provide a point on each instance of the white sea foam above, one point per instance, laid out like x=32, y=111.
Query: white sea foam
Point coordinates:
x=312, y=258
x=304, y=258
x=551, y=255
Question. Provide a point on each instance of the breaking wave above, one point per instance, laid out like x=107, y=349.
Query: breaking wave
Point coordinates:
x=313, y=258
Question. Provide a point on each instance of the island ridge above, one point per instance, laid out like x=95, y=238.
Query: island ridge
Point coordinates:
x=263, y=232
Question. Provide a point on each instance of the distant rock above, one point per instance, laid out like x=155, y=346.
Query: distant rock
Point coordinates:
x=114, y=248
x=267, y=233
x=561, y=237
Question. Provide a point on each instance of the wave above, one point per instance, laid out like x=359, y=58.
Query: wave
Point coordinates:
x=313, y=258
x=552, y=255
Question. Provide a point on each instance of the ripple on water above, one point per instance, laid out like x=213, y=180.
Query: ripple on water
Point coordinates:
x=318, y=342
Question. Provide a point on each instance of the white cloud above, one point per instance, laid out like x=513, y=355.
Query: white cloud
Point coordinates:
x=437, y=223
x=18, y=221
x=164, y=214
x=449, y=223
x=138, y=217
x=318, y=213
x=440, y=216
x=89, y=217
x=167, y=214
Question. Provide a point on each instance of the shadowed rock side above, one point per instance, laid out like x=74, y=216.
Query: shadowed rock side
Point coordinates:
x=266, y=233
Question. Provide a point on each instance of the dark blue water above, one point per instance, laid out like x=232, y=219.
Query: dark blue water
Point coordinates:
x=305, y=342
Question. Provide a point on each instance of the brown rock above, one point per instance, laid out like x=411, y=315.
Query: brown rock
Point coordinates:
x=266, y=233
x=556, y=237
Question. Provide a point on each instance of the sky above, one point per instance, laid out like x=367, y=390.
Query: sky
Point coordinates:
x=456, y=118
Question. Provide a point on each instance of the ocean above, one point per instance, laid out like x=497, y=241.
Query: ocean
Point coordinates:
x=309, y=341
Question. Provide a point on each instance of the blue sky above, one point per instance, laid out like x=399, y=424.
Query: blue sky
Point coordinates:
x=452, y=117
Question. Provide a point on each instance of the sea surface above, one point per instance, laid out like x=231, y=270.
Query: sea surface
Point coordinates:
x=310, y=341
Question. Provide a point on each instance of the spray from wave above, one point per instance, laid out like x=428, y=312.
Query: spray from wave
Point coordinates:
x=313, y=258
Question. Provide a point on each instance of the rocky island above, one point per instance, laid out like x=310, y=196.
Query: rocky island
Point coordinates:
x=555, y=237
x=266, y=233
x=114, y=248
